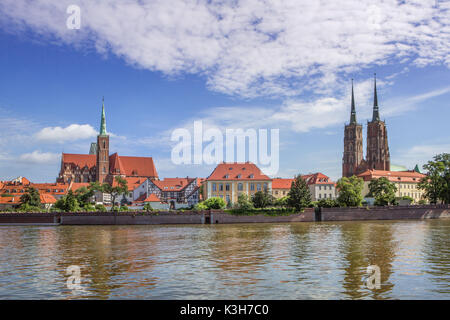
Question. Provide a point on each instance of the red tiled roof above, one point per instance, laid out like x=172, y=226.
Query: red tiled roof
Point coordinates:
x=133, y=166
x=317, y=178
x=152, y=198
x=80, y=160
x=237, y=171
x=282, y=183
x=174, y=184
x=394, y=176
x=47, y=199
x=74, y=186
x=132, y=182
x=10, y=200
x=48, y=188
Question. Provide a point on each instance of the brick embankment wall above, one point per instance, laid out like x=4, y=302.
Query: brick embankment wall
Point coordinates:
x=221, y=217
x=130, y=218
x=28, y=218
x=386, y=213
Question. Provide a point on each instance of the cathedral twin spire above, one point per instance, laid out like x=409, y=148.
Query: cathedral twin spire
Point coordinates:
x=376, y=113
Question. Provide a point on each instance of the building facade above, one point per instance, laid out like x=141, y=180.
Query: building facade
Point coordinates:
x=229, y=180
x=377, y=154
x=405, y=181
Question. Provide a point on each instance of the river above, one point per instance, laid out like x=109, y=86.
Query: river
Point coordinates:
x=246, y=261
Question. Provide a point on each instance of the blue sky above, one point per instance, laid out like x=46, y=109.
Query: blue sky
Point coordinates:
x=241, y=65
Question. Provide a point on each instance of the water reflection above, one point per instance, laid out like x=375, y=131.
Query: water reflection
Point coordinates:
x=265, y=261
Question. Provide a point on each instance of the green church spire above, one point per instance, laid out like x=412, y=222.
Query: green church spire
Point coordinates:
x=376, y=113
x=353, y=112
x=103, y=121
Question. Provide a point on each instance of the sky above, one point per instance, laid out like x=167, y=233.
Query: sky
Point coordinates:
x=252, y=64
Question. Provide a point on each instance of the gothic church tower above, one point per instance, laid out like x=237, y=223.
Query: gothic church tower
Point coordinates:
x=353, y=144
x=102, y=150
x=377, y=156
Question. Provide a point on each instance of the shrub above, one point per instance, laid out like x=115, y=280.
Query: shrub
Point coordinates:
x=244, y=202
x=214, y=203
x=123, y=208
x=200, y=206
x=327, y=203
x=100, y=208
x=147, y=207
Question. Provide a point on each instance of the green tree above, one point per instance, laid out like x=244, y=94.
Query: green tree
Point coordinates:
x=281, y=202
x=68, y=203
x=215, y=203
x=84, y=196
x=200, y=206
x=31, y=198
x=100, y=208
x=350, y=191
x=147, y=207
x=299, y=197
x=436, y=184
x=244, y=202
x=262, y=199
x=121, y=188
x=383, y=191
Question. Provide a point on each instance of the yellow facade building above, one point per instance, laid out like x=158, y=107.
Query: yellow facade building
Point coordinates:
x=229, y=180
x=405, y=181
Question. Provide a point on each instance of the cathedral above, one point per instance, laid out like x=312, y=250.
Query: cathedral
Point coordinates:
x=102, y=167
x=377, y=155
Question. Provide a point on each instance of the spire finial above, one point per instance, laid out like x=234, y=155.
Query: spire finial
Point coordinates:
x=353, y=111
x=376, y=113
x=103, y=120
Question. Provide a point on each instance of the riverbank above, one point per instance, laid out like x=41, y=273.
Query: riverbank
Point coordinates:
x=224, y=217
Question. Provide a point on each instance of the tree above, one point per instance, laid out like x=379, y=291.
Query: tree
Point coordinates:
x=244, y=202
x=436, y=184
x=350, y=191
x=281, y=202
x=299, y=196
x=68, y=203
x=262, y=199
x=383, y=191
x=147, y=207
x=31, y=198
x=121, y=188
x=84, y=196
x=214, y=203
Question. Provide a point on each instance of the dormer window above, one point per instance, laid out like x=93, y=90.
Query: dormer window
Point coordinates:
x=226, y=176
x=238, y=176
x=251, y=176
x=231, y=168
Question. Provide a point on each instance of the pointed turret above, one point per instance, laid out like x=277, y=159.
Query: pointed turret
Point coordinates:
x=376, y=113
x=103, y=121
x=353, y=112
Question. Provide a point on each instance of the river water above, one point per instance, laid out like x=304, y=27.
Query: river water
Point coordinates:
x=247, y=261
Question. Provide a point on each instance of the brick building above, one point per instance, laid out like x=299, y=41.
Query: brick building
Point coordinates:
x=377, y=155
x=100, y=166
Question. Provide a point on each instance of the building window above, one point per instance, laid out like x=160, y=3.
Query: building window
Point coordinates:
x=220, y=187
x=252, y=187
x=276, y=192
x=240, y=186
x=227, y=187
x=265, y=186
x=258, y=186
x=214, y=187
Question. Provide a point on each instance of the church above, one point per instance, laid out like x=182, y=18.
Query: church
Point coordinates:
x=100, y=166
x=377, y=156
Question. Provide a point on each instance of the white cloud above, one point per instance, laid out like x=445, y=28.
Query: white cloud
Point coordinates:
x=37, y=157
x=419, y=154
x=249, y=47
x=72, y=132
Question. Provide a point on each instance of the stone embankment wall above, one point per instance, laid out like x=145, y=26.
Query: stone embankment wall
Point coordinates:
x=221, y=217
